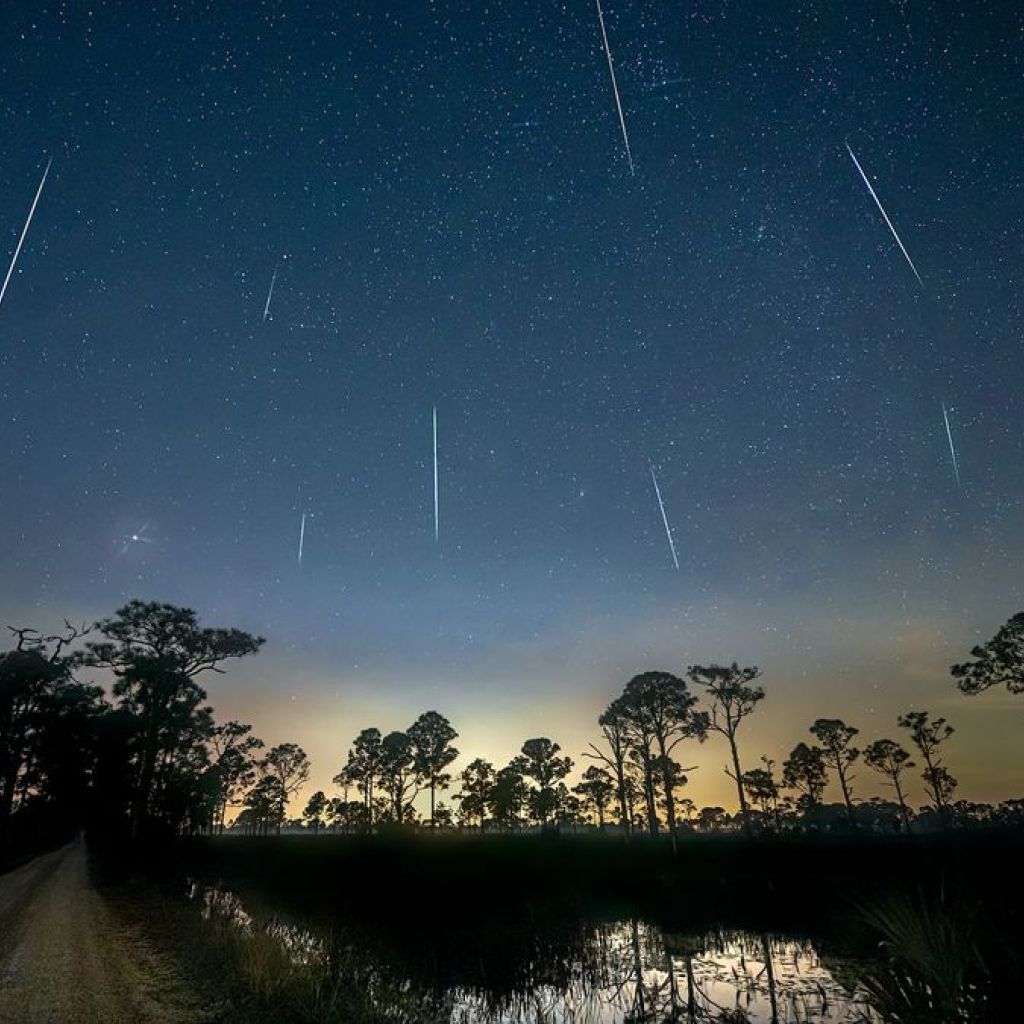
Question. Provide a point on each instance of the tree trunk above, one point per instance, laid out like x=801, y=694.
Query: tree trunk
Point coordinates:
x=670, y=801
x=638, y=969
x=12, y=762
x=666, y=783
x=25, y=780
x=903, y=803
x=738, y=776
x=931, y=785
x=770, y=972
x=140, y=808
x=844, y=786
x=673, y=988
x=649, y=794
x=620, y=778
x=691, y=995
x=653, y=825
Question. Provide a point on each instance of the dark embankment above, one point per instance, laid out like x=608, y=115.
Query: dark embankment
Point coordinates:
x=759, y=882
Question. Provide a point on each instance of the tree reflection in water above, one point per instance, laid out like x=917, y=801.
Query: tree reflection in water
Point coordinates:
x=576, y=972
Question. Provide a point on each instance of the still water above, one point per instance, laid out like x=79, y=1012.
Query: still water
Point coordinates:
x=589, y=972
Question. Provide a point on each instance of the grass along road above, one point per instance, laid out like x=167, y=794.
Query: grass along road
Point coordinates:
x=66, y=958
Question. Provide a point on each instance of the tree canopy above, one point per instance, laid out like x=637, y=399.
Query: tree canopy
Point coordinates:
x=998, y=662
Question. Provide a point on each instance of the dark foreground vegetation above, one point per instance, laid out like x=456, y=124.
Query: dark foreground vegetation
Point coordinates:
x=932, y=922
x=367, y=912
x=755, y=883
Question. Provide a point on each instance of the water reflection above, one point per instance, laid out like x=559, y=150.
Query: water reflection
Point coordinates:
x=585, y=972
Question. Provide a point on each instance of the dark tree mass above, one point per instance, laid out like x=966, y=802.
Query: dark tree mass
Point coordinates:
x=150, y=757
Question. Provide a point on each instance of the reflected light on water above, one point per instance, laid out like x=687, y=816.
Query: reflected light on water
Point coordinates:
x=606, y=973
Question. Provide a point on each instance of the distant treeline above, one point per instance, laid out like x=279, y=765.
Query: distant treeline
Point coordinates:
x=150, y=757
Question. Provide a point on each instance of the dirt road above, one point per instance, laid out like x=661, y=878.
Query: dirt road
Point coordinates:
x=65, y=958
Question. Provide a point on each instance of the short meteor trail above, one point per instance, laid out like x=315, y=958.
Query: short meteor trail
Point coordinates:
x=437, y=521
x=615, y=88
x=270, y=295
x=664, y=519
x=24, y=231
x=881, y=209
x=302, y=536
x=952, y=448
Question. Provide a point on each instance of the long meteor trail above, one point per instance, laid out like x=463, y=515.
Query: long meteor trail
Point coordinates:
x=24, y=231
x=302, y=536
x=270, y=295
x=952, y=447
x=881, y=210
x=437, y=521
x=664, y=519
x=615, y=88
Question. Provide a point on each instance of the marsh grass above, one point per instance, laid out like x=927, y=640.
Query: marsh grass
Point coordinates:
x=942, y=960
x=406, y=900
x=244, y=971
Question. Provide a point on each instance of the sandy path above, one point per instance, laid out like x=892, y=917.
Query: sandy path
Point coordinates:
x=66, y=959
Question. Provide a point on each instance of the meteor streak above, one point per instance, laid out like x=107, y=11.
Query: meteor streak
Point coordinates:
x=664, y=519
x=270, y=295
x=881, y=209
x=952, y=448
x=302, y=536
x=615, y=88
x=436, y=516
x=24, y=232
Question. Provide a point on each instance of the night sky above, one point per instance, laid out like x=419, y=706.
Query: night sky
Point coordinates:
x=443, y=194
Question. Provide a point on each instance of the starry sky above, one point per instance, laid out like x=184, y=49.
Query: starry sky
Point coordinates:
x=439, y=192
